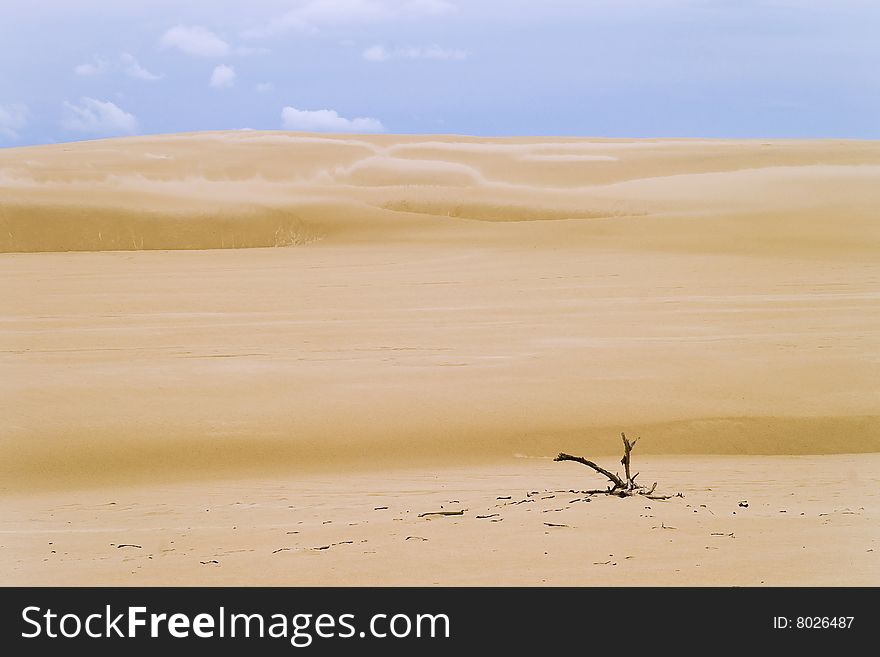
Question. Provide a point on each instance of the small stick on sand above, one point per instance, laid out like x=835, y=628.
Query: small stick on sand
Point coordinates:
x=441, y=513
x=619, y=487
x=664, y=526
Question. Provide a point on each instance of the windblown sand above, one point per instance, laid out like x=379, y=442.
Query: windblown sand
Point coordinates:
x=808, y=520
x=428, y=308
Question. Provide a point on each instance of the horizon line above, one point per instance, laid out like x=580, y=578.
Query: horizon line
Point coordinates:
x=447, y=135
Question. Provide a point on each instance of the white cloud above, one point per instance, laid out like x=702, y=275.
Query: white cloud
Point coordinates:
x=127, y=64
x=132, y=68
x=263, y=87
x=376, y=54
x=326, y=120
x=317, y=14
x=100, y=117
x=223, y=77
x=433, y=52
x=379, y=53
x=97, y=66
x=195, y=40
x=13, y=118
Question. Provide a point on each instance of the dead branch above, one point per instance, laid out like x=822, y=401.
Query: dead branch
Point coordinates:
x=662, y=497
x=441, y=513
x=617, y=481
x=627, y=449
x=620, y=487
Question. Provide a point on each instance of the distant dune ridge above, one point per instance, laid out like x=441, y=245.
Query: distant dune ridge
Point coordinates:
x=437, y=300
x=248, y=189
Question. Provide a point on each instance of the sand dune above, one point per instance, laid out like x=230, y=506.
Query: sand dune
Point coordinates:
x=437, y=299
x=432, y=308
x=228, y=190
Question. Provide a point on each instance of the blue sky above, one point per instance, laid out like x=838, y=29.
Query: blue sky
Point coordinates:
x=691, y=68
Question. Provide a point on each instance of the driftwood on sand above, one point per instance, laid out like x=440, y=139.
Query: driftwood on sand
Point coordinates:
x=621, y=487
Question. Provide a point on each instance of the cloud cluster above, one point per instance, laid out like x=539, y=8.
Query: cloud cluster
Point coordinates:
x=97, y=66
x=326, y=120
x=98, y=117
x=195, y=40
x=318, y=14
x=223, y=77
x=380, y=53
x=199, y=41
x=132, y=68
x=127, y=64
x=13, y=118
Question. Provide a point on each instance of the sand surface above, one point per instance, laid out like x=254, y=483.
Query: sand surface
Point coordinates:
x=809, y=521
x=435, y=304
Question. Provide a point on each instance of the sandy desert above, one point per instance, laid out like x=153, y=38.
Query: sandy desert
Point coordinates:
x=273, y=358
